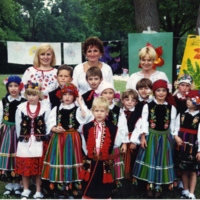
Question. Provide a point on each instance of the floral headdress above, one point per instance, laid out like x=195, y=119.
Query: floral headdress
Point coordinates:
x=68, y=88
x=15, y=79
x=185, y=78
x=194, y=95
x=32, y=85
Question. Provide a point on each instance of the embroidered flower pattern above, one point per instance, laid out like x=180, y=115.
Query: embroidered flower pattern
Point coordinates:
x=152, y=118
x=114, y=115
x=71, y=119
x=182, y=118
x=195, y=121
x=6, y=112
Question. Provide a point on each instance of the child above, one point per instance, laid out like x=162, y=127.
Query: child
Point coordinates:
x=8, y=135
x=63, y=160
x=64, y=75
x=154, y=162
x=187, y=148
x=133, y=114
x=183, y=86
x=117, y=117
x=94, y=78
x=31, y=118
x=99, y=136
x=144, y=88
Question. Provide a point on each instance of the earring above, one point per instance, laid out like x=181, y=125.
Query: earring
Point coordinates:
x=86, y=58
x=100, y=57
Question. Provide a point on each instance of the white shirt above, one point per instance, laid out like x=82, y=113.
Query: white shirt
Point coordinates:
x=79, y=77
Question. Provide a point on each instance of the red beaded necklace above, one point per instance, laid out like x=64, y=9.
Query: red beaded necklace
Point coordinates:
x=33, y=114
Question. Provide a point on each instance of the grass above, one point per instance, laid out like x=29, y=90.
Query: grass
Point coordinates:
x=133, y=193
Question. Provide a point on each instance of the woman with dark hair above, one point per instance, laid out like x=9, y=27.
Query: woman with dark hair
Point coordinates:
x=93, y=50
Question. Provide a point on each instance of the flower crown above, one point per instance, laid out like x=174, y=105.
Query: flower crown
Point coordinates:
x=194, y=96
x=15, y=79
x=32, y=85
x=68, y=88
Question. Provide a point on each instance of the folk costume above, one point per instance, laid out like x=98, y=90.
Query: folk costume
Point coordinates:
x=188, y=129
x=8, y=137
x=47, y=78
x=31, y=126
x=88, y=98
x=63, y=160
x=154, y=164
x=97, y=176
x=134, y=125
x=54, y=100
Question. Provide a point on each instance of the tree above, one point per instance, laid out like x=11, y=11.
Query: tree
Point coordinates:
x=146, y=14
x=198, y=21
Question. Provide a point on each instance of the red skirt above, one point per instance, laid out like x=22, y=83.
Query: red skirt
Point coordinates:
x=30, y=166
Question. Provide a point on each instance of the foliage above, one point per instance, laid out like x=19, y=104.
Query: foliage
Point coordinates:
x=193, y=72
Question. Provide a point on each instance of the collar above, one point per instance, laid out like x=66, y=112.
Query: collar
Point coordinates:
x=193, y=113
x=132, y=109
x=10, y=98
x=165, y=103
x=148, y=100
x=111, y=106
x=67, y=107
x=180, y=96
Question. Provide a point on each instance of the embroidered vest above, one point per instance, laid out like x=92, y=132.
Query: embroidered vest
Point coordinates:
x=113, y=115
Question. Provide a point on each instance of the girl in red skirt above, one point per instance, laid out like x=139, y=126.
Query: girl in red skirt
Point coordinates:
x=31, y=118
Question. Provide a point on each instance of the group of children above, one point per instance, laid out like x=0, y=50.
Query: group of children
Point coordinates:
x=77, y=146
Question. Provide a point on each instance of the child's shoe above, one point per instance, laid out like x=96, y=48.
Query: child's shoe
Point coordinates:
x=184, y=194
x=16, y=188
x=38, y=195
x=191, y=196
x=9, y=188
x=25, y=194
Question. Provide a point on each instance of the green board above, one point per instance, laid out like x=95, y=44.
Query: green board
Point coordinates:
x=136, y=41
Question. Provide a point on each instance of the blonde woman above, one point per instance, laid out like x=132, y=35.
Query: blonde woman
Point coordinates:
x=43, y=71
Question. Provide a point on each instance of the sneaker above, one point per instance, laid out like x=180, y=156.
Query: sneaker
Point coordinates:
x=9, y=188
x=180, y=185
x=184, y=194
x=16, y=188
x=191, y=196
x=38, y=195
x=25, y=194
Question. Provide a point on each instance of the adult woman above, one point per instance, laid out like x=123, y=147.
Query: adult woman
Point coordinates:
x=147, y=56
x=93, y=50
x=42, y=70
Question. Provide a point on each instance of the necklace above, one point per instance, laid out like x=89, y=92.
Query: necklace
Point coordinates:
x=33, y=114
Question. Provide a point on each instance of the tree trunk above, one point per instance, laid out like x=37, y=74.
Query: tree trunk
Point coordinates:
x=146, y=14
x=198, y=21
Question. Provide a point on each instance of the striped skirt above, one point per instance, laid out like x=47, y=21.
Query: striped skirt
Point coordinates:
x=8, y=146
x=118, y=169
x=63, y=160
x=154, y=164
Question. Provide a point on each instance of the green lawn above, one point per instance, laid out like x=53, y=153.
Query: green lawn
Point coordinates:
x=135, y=194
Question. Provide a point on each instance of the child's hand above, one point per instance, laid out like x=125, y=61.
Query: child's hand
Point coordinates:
x=143, y=141
x=123, y=148
x=58, y=129
x=198, y=156
x=178, y=140
x=133, y=146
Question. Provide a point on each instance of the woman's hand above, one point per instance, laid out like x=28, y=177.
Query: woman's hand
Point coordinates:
x=143, y=141
x=178, y=140
x=57, y=129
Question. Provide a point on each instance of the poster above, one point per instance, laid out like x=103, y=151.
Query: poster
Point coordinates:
x=136, y=41
x=72, y=53
x=191, y=59
x=23, y=52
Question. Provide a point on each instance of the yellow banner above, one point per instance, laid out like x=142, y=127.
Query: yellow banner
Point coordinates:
x=191, y=59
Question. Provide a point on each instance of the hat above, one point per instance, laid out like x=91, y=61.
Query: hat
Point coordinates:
x=194, y=95
x=32, y=85
x=15, y=79
x=68, y=88
x=160, y=84
x=185, y=78
x=107, y=85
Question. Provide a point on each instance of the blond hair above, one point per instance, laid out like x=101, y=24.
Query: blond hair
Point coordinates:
x=42, y=49
x=32, y=91
x=147, y=50
x=100, y=102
